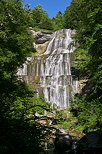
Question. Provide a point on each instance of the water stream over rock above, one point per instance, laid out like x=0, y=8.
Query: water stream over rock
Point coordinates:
x=50, y=72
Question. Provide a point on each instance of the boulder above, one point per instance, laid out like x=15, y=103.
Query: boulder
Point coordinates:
x=63, y=142
x=91, y=143
x=42, y=36
x=43, y=39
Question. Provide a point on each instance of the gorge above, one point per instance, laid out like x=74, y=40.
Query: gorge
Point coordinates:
x=50, y=73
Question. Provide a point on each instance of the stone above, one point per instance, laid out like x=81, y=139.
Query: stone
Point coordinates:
x=42, y=36
x=63, y=142
x=42, y=39
x=46, y=32
x=91, y=143
x=41, y=48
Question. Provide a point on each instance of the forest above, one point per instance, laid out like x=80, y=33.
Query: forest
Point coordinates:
x=19, y=135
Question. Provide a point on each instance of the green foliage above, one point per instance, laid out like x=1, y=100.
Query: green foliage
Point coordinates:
x=19, y=131
x=18, y=103
x=39, y=18
x=85, y=16
x=40, y=29
x=36, y=15
x=58, y=21
x=15, y=39
x=65, y=119
x=81, y=62
x=46, y=23
x=88, y=113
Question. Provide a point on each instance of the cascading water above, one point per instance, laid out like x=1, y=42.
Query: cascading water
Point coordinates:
x=56, y=78
x=53, y=69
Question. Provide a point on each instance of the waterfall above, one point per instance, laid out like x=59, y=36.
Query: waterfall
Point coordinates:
x=56, y=78
x=53, y=69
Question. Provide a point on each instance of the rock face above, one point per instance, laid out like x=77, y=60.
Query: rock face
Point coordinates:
x=90, y=143
x=41, y=48
x=42, y=36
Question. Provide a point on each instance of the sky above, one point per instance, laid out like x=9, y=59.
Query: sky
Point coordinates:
x=52, y=7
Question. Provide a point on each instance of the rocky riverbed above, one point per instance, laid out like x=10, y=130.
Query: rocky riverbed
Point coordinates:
x=59, y=141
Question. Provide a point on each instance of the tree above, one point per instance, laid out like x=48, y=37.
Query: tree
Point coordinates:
x=36, y=15
x=58, y=21
x=17, y=101
x=46, y=23
x=39, y=18
x=15, y=38
x=85, y=16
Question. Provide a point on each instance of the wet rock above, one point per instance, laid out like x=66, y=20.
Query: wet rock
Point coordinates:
x=63, y=142
x=90, y=143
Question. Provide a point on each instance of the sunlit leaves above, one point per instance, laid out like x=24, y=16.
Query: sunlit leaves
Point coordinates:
x=16, y=41
x=86, y=17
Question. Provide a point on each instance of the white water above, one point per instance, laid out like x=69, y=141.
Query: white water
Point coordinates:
x=54, y=71
x=56, y=78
